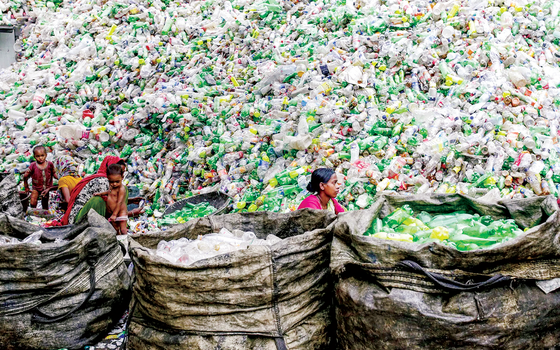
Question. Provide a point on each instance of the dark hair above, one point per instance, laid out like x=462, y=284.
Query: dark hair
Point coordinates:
x=39, y=147
x=120, y=163
x=114, y=169
x=321, y=175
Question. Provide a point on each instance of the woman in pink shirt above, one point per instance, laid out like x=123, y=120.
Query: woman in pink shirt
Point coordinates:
x=324, y=187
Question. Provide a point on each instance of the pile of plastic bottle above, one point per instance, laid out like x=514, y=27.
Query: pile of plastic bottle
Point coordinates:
x=14, y=11
x=143, y=225
x=189, y=211
x=250, y=96
x=186, y=252
x=460, y=230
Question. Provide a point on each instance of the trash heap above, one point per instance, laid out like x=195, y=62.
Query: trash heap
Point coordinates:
x=187, y=252
x=460, y=230
x=249, y=97
x=13, y=11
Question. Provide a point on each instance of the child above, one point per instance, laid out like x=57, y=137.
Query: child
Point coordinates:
x=42, y=173
x=116, y=203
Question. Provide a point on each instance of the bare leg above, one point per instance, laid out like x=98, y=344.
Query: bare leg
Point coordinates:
x=45, y=201
x=24, y=201
x=116, y=226
x=123, y=210
x=123, y=227
x=33, y=199
x=111, y=209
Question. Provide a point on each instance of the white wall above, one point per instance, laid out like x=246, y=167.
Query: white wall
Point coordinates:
x=7, y=53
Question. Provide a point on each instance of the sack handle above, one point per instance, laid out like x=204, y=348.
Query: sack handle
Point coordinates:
x=91, y=259
x=123, y=248
x=452, y=285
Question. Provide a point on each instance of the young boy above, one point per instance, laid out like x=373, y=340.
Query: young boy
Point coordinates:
x=41, y=173
x=116, y=204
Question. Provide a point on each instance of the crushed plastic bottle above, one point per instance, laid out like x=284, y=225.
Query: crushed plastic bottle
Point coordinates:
x=250, y=96
x=460, y=230
x=186, y=252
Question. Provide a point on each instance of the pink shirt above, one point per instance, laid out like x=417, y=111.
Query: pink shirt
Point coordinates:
x=313, y=202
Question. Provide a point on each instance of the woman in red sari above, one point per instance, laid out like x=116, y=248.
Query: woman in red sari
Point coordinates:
x=82, y=199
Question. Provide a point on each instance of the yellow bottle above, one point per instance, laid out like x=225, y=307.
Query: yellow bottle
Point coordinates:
x=440, y=233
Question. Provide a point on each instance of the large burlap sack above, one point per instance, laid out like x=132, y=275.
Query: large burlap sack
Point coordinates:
x=64, y=293
x=264, y=297
x=399, y=295
x=10, y=203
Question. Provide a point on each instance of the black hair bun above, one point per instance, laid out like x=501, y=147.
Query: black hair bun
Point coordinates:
x=310, y=187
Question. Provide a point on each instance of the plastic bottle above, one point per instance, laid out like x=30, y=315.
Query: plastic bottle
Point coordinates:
x=460, y=89
x=460, y=230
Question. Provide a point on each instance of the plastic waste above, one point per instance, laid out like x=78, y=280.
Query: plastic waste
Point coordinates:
x=460, y=230
x=189, y=211
x=250, y=96
x=34, y=238
x=187, y=252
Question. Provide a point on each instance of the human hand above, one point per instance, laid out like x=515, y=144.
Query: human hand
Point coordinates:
x=97, y=194
x=27, y=190
x=113, y=217
x=45, y=193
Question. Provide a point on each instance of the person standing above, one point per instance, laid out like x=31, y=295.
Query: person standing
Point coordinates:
x=41, y=173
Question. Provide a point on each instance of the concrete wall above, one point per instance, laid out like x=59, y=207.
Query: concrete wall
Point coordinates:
x=7, y=40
